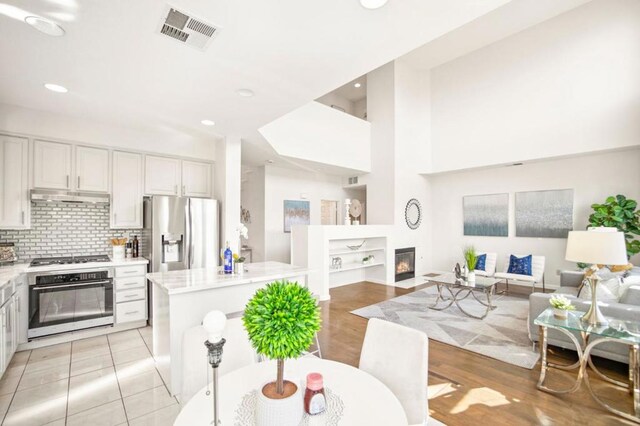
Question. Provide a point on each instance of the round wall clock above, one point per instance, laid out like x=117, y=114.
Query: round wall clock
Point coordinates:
x=413, y=214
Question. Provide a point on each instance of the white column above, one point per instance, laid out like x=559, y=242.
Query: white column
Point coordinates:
x=227, y=189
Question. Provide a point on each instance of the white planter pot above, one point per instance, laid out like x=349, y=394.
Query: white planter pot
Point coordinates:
x=471, y=277
x=560, y=313
x=280, y=412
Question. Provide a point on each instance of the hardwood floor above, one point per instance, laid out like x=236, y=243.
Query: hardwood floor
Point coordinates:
x=467, y=388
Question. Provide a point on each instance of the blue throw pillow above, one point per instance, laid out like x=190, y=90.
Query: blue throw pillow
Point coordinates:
x=480, y=262
x=520, y=265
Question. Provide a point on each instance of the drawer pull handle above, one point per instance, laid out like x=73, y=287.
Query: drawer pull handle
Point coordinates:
x=133, y=283
x=129, y=296
x=132, y=312
x=129, y=272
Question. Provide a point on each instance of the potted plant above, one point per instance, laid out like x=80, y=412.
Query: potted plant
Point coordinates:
x=622, y=213
x=281, y=320
x=368, y=260
x=238, y=263
x=561, y=306
x=471, y=258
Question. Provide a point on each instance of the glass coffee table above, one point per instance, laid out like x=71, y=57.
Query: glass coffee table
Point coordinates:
x=460, y=290
x=619, y=331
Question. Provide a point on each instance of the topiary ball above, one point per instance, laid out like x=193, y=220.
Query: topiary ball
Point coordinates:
x=282, y=320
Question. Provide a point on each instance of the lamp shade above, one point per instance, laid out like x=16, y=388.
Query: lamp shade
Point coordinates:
x=214, y=323
x=604, y=246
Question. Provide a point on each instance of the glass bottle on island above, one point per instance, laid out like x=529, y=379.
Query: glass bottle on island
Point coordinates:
x=228, y=260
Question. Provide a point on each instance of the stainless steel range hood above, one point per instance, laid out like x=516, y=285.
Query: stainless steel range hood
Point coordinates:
x=53, y=196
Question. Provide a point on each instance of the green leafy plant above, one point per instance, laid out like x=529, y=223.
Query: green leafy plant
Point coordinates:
x=561, y=302
x=619, y=212
x=470, y=257
x=282, y=320
x=237, y=258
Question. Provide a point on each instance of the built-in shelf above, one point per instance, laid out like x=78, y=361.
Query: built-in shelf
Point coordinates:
x=338, y=253
x=354, y=266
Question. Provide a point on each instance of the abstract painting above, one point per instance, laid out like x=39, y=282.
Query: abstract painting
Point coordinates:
x=544, y=214
x=296, y=213
x=486, y=215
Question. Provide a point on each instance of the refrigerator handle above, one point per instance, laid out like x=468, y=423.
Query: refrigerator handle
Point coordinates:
x=187, y=239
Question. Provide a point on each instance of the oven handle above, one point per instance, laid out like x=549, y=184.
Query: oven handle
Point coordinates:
x=72, y=285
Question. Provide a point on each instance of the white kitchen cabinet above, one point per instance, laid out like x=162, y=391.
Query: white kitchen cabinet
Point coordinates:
x=14, y=182
x=196, y=179
x=126, y=190
x=51, y=165
x=22, y=310
x=130, y=294
x=162, y=176
x=8, y=334
x=92, y=169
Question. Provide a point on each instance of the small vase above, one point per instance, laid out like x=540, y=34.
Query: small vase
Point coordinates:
x=239, y=268
x=560, y=313
x=471, y=277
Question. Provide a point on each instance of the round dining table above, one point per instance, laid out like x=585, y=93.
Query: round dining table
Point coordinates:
x=364, y=400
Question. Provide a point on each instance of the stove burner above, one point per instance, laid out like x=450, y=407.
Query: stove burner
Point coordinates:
x=46, y=261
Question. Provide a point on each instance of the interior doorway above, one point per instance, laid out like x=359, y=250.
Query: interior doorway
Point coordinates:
x=328, y=212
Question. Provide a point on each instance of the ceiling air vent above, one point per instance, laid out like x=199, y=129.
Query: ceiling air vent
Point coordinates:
x=187, y=29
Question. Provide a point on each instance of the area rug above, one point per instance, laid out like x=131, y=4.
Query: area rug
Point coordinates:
x=502, y=335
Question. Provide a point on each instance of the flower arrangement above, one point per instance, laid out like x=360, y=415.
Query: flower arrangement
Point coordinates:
x=561, y=302
x=281, y=320
x=237, y=258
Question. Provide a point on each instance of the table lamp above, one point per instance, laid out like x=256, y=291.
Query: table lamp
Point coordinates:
x=214, y=323
x=597, y=246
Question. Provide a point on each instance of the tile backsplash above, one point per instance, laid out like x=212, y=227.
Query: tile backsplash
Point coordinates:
x=65, y=229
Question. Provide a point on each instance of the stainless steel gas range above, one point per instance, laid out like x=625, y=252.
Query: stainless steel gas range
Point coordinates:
x=69, y=293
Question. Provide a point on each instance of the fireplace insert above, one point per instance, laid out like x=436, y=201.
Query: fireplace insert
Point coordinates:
x=405, y=263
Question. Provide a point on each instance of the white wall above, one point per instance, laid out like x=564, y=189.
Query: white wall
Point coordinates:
x=43, y=124
x=227, y=190
x=253, y=199
x=318, y=133
x=287, y=184
x=593, y=178
x=568, y=85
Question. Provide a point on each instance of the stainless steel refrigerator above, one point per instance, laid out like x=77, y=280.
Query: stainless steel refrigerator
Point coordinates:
x=180, y=233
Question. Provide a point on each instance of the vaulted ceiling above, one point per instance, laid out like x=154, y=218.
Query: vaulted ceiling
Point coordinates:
x=119, y=70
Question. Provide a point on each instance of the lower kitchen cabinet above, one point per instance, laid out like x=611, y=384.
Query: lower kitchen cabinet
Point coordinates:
x=130, y=294
x=9, y=321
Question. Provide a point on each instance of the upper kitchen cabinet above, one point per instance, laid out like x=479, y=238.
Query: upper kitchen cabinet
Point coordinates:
x=127, y=191
x=92, y=169
x=51, y=165
x=14, y=183
x=196, y=179
x=162, y=176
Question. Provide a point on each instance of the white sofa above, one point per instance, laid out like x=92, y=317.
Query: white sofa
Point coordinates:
x=537, y=272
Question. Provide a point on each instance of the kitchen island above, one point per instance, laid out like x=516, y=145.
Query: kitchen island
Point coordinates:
x=181, y=299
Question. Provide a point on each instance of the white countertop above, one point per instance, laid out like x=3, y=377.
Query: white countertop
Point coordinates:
x=7, y=273
x=190, y=280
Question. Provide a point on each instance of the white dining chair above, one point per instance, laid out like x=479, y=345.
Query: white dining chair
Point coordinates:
x=536, y=277
x=489, y=265
x=237, y=353
x=398, y=357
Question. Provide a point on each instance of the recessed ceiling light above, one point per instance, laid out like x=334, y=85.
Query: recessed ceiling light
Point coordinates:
x=208, y=122
x=245, y=93
x=45, y=26
x=357, y=85
x=56, y=88
x=372, y=4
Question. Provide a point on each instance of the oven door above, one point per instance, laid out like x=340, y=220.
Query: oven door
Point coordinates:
x=61, y=307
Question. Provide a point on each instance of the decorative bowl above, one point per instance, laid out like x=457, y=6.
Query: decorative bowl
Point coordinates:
x=356, y=247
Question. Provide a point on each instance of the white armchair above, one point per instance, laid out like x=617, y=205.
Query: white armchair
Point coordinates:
x=489, y=265
x=536, y=277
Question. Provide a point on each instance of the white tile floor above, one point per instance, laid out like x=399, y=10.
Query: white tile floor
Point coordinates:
x=105, y=380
